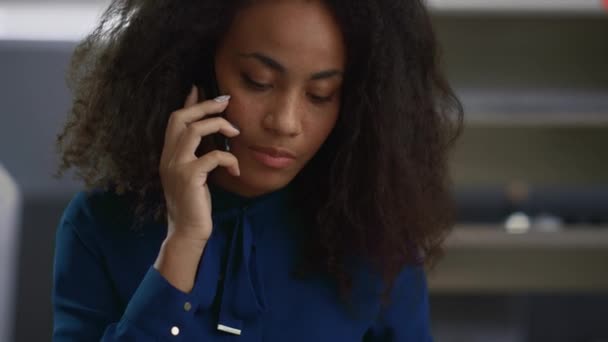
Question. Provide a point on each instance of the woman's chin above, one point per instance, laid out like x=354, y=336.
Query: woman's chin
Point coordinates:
x=251, y=182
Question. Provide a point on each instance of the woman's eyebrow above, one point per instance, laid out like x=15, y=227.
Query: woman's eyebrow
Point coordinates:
x=273, y=64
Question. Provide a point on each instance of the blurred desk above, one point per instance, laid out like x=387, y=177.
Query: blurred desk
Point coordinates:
x=483, y=259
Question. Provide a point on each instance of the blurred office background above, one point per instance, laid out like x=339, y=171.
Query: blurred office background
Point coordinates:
x=528, y=260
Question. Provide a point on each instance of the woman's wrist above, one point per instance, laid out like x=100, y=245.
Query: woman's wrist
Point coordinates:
x=178, y=261
x=189, y=244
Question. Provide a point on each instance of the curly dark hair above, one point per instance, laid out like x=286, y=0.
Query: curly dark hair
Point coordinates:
x=377, y=189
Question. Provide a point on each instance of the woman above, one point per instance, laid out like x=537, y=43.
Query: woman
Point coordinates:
x=306, y=212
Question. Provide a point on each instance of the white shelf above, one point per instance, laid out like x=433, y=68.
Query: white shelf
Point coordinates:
x=49, y=21
x=71, y=21
x=533, y=107
x=487, y=260
x=519, y=6
x=496, y=237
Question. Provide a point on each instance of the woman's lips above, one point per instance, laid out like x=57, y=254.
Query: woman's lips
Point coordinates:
x=275, y=162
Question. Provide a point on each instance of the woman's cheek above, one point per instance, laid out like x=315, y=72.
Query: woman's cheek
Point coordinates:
x=243, y=110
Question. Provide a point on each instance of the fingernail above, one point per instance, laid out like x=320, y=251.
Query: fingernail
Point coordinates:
x=222, y=98
x=235, y=127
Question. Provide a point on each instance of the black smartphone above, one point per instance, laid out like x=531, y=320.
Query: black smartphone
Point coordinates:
x=208, y=82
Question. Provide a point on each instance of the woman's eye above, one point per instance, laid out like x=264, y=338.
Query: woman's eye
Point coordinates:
x=254, y=84
x=320, y=99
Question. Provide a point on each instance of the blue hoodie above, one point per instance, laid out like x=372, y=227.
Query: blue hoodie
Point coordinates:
x=105, y=287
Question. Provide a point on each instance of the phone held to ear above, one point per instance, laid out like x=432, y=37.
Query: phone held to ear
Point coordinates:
x=210, y=88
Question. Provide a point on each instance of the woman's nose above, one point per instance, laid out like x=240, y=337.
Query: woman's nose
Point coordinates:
x=285, y=117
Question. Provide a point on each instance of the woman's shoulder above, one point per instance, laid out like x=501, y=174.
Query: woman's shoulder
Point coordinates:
x=94, y=208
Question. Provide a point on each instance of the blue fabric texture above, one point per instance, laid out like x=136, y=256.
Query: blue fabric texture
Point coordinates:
x=106, y=288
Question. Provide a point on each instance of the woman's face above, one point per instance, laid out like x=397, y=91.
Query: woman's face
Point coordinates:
x=282, y=62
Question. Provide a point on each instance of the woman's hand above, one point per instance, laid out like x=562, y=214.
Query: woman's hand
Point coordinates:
x=184, y=176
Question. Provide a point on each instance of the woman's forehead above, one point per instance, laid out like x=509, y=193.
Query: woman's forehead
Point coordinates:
x=291, y=31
